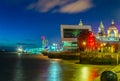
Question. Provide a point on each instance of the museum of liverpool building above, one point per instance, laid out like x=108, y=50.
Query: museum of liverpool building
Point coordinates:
x=69, y=35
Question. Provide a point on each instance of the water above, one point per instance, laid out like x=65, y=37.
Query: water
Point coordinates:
x=40, y=68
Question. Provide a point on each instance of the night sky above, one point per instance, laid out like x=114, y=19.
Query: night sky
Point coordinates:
x=23, y=22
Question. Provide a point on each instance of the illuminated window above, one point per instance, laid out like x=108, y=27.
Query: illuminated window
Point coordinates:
x=112, y=34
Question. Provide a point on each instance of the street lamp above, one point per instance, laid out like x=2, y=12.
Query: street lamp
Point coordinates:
x=84, y=44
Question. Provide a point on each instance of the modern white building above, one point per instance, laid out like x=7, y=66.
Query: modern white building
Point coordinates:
x=69, y=35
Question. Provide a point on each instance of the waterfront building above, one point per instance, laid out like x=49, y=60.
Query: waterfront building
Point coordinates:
x=112, y=34
x=69, y=35
x=108, y=41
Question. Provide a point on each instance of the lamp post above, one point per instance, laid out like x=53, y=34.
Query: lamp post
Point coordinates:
x=84, y=44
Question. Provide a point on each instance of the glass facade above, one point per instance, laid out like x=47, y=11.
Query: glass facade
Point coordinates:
x=72, y=33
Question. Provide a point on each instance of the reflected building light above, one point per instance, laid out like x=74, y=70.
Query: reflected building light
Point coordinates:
x=18, y=73
x=82, y=74
x=93, y=74
x=54, y=71
x=85, y=73
x=19, y=54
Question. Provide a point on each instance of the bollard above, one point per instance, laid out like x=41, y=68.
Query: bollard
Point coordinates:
x=108, y=76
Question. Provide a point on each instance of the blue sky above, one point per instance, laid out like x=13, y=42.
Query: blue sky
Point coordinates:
x=25, y=21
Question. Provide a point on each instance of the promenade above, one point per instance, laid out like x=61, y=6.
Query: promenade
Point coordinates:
x=115, y=69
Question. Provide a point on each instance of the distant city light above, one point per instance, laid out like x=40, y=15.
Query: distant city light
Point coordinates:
x=19, y=49
x=55, y=46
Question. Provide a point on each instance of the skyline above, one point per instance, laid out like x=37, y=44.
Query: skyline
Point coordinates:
x=24, y=22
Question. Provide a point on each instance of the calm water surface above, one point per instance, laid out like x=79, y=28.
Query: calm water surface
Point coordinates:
x=40, y=68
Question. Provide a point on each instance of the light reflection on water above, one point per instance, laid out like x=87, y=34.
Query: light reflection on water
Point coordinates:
x=47, y=70
x=85, y=74
x=69, y=72
x=54, y=71
x=18, y=73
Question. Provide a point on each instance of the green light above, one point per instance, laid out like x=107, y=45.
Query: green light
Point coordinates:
x=75, y=33
x=69, y=44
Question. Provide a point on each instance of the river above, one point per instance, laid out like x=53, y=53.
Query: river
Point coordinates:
x=40, y=68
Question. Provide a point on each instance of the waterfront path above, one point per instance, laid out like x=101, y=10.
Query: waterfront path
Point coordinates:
x=115, y=69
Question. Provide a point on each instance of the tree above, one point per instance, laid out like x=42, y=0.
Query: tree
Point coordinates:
x=86, y=40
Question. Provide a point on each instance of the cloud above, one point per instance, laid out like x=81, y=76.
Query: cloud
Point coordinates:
x=78, y=6
x=46, y=5
x=62, y=6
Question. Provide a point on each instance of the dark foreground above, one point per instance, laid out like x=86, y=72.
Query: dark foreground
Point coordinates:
x=15, y=67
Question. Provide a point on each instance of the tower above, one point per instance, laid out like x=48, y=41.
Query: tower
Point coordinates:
x=44, y=42
x=80, y=23
x=112, y=30
x=101, y=29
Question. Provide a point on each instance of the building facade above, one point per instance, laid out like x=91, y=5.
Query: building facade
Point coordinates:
x=108, y=41
x=69, y=35
x=112, y=34
x=104, y=41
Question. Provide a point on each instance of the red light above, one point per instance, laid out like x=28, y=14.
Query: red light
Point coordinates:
x=91, y=35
